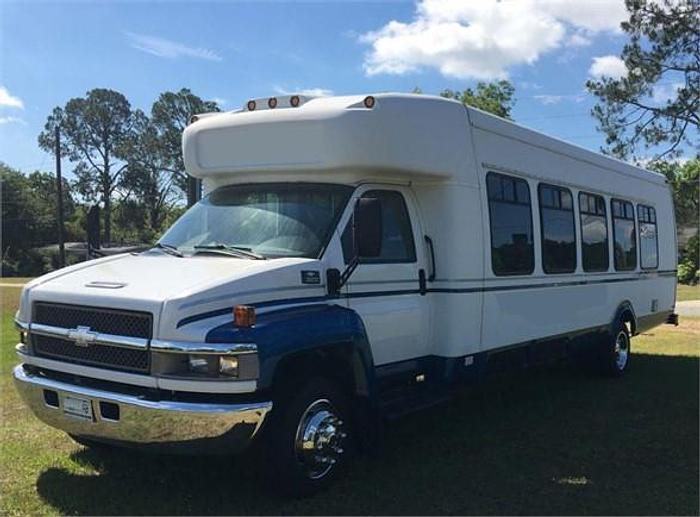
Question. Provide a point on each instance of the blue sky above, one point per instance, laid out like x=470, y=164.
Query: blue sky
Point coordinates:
x=233, y=51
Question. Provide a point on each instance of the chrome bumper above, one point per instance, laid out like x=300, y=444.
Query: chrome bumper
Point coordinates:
x=159, y=425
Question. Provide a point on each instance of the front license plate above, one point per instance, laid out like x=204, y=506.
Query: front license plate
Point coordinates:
x=77, y=407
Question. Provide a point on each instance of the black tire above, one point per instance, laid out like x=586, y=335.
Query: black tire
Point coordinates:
x=616, y=354
x=296, y=472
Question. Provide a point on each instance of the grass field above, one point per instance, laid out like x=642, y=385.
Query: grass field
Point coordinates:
x=548, y=441
x=688, y=292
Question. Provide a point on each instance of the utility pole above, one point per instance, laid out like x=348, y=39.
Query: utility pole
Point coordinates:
x=59, y=191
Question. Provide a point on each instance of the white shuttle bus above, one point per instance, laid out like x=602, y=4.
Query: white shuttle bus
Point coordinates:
x=353, y=258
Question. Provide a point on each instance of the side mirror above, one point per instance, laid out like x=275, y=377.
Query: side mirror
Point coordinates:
x=368, y=228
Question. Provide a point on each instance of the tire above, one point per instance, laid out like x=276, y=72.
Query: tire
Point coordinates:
x=308, y=440
x=616, y=355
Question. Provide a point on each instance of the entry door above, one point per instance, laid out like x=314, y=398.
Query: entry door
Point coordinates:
x=384, y=291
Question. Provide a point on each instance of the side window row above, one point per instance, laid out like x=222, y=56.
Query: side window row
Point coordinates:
x=512, y=242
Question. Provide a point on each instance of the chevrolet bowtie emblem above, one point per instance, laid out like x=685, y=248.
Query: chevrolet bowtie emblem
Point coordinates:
x=82, y=336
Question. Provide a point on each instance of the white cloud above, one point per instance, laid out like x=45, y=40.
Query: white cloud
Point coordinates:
x=556, y=99
x=220, y=101
x=8, y=100
x=483, y=38
x=12, y=120
x=311, y=92
x=578, y=39
x=662, y=93
x=162, y=47
x=608, y=66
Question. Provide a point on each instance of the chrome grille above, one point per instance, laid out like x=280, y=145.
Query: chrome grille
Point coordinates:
x=100, y=320
x=104, y=356
x=106, y=321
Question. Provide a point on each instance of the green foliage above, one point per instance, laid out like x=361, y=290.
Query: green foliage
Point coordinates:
x=96, y=132
x=494, y=97
x=170, y=115
x=661, y=58
x=684, y=179
x=29, y=219
x=689, y=266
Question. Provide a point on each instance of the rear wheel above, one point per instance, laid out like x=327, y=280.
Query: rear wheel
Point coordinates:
x=615, y=359
x=308, y=440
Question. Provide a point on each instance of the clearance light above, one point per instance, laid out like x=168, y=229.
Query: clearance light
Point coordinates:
x=251, y=105
x=294, y=101
x=272, y=102
x=243, y=316
x=193, y=119
x=369, y=102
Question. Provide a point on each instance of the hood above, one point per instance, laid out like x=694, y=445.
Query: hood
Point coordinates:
x=171, y=288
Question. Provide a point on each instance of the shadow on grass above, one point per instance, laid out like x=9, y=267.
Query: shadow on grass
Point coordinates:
x=550, y=441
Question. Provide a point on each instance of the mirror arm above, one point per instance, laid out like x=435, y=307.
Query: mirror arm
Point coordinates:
x=336, y=280
x=349, y=270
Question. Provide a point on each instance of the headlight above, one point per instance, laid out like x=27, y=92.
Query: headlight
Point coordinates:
x=213, y=364
x=228, y=366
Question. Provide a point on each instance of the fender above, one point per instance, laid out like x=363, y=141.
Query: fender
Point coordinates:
x=279, y=334
x=622, y=309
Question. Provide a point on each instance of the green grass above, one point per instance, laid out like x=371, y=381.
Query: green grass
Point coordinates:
x=688, y=292
x=548, y=441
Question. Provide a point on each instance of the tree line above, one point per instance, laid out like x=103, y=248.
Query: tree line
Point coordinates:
x=124, y=153
x=127, y=161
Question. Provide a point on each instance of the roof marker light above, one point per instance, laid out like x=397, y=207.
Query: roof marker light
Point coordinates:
x=369, y=102
x=294, y=100
x=193, y=119
x=251, y=105
x=272, y=102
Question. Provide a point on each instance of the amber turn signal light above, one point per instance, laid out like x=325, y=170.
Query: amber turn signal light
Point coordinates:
x=243, y=316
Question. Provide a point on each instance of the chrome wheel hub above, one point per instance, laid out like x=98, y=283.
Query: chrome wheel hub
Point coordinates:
x=319, y=439
x=622, y=350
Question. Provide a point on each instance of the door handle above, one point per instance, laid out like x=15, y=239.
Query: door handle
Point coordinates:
x=431, y=248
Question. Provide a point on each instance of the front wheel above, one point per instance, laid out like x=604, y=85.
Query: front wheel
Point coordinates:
x=308, y=440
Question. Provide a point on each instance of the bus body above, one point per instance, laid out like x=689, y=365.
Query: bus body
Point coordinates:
x=354, y=257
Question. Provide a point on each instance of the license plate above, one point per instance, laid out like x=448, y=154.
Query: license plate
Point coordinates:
x=82, y=408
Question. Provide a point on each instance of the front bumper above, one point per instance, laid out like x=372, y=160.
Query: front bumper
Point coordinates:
x=134, y=421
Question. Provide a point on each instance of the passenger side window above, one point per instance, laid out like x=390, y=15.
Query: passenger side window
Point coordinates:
x=625, y=250
x=510, y=216
x=648, y=239
x=397, y=234
x=594, y=232
x=558, y=232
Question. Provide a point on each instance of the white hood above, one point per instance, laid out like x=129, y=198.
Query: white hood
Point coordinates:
x=172, y=288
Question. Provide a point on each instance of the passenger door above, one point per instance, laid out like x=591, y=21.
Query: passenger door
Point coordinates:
x=385, y=290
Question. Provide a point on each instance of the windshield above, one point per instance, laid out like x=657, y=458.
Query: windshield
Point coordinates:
x=272, y=220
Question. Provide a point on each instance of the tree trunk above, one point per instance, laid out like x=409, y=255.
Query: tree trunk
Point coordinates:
x=108, y=219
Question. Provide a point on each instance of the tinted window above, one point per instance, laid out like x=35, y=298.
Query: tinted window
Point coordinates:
x=648, y=239
x=594, y=232
x=397, y=235
x=624, y=235
x=558, y=233
x=512, y=251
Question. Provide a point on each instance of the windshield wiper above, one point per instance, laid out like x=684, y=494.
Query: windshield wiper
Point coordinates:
x=237, y=251
x=169, y=249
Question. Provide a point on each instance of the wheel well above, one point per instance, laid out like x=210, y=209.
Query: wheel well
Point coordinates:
x=339, y=362
x=627, y=318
